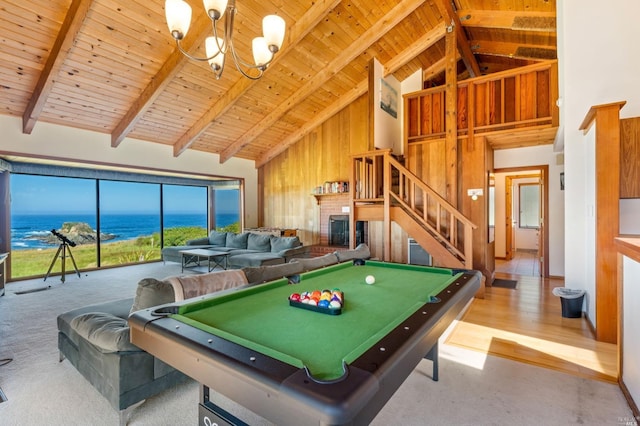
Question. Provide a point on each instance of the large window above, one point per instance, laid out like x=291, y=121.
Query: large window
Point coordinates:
x=40, y=204
x=130, y=220
x=185, y=213
x=110, y=221
x=227, y=214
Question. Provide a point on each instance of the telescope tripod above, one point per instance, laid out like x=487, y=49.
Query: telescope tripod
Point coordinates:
x=62, y=253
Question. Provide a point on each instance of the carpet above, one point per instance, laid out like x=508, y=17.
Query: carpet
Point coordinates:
x=41, y=390
x=502, y=283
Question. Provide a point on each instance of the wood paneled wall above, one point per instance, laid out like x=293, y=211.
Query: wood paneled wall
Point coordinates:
x=426, y=159
x=323, y=155
x=630, y=158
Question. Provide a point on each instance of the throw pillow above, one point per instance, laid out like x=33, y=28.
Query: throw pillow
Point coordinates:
x=217, y=238
x=259, y=242
x=152, y=292
x=284, y=243
x=105, y=331
x=237, y=240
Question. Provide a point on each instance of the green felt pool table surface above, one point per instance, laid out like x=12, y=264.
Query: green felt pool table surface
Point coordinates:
x=260, y=317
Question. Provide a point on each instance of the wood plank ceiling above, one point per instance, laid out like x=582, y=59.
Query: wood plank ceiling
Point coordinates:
x=111, y=66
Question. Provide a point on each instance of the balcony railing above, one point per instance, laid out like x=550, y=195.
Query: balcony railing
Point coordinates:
x=524, y=97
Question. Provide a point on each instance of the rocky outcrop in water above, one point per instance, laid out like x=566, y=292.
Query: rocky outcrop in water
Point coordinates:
x=77, y=232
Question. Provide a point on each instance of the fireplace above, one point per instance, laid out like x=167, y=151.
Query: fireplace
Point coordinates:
x=339, y=231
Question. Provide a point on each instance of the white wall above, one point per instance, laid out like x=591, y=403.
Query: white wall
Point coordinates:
x=598, y=66
x=387, y=129
x=51, y=141
x=631, y=348
x=629, y=215
x=539, y=156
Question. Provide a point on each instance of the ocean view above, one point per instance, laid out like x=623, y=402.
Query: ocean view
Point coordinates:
x=24, y=227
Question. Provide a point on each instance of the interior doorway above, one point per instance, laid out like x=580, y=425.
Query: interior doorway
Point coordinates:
x=521, y=220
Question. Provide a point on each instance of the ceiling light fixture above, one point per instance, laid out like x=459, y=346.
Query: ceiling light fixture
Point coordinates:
x=178, y=14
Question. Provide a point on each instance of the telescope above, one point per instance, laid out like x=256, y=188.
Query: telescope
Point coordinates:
x=63, y=251
x=62, y=238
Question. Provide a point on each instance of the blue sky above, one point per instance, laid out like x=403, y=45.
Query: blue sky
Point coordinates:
x=39, y=194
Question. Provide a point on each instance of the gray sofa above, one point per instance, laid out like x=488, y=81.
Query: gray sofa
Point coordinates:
x=95, y=339
x=244, y=249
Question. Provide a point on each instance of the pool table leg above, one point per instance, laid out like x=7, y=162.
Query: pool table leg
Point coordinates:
x=210, y=413
x=433, y=356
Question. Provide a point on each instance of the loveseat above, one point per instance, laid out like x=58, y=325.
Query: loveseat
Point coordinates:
x=244, y=249
x=95, y=339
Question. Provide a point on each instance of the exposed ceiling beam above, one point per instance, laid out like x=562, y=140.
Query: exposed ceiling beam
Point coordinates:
x=171, y=67
x=513, y=50
x=509, y=19
x=294, y=35
x=450, y=16
x=374, y=33
x=396, y=63
x=419, y=46
x=64, y=42
x=436, y=68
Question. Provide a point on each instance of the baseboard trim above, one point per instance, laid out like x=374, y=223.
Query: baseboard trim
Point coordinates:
x=631, y=402
x=592, y=328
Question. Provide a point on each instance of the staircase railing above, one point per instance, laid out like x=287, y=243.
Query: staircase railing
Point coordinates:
x=380, y=179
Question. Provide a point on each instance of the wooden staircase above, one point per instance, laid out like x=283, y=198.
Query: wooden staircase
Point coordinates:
x=384, y=190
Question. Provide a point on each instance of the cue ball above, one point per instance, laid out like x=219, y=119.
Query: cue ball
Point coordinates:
x=370, y=279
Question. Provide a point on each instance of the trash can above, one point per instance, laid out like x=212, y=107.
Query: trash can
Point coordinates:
x=571, y=301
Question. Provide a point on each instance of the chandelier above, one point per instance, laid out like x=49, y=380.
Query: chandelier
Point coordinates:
x=178, y=14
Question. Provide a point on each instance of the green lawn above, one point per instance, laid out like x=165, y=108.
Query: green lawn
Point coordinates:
x=36, y=262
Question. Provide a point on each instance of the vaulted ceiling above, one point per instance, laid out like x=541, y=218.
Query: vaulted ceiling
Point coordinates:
x=111, y=66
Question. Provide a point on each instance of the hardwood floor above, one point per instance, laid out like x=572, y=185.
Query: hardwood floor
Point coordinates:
x=526, y=325
x=524, y=262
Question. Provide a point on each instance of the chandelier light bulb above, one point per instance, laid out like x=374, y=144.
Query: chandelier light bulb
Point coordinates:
x=178, y=14
x=213, y=51
x=261, y=53
x=273, y=28
x=215, y=8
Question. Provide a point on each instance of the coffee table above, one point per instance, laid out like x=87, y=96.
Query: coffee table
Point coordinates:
x=214, y=258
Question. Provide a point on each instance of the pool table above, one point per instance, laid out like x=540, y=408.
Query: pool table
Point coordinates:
x=297, y=366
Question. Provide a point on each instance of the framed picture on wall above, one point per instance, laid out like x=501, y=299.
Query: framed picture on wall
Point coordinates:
x=388, y=99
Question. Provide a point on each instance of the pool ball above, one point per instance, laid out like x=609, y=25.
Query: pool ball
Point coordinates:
x=295, y=297
x=335, y=304
x=323, y=304
x=370, y=279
